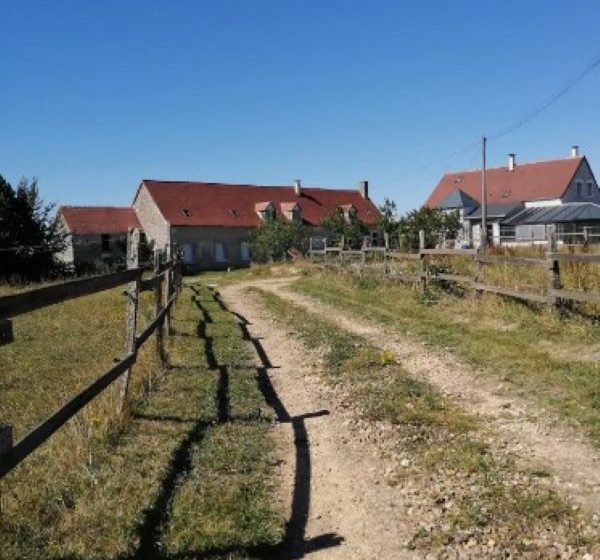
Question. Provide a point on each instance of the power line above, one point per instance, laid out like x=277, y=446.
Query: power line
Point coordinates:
x=527, y=117
x=548, y=102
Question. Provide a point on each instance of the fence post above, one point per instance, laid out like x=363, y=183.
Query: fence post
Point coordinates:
x=158, y=303
x=325, y=255
x=423, y=258
x=169, y=286
x=386, y=247
x=310, y=249
x=6, y=331
x=553, y=265
x=363, y=256
x=133, y=290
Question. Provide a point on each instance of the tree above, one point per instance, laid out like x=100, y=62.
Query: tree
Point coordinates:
x=388, y=219
x=30, y=234
x=272, y=239
x=348, y=225
x=433, y=221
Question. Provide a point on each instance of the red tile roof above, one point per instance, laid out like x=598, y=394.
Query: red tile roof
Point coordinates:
x=211, y=204
x=98, y=219
x=528, y=181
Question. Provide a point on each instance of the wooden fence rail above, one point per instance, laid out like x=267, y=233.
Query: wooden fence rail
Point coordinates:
x=556, y=295
x=168, y=272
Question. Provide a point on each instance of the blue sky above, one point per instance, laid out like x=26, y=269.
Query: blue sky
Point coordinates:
x=97, y=95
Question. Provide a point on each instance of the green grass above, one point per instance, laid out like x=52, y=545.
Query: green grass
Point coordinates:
x=103, y=488
x=535, y=352
x=444, y=443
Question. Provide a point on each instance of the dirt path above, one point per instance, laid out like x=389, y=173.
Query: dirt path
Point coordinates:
x=515, y=425
x=332, y=484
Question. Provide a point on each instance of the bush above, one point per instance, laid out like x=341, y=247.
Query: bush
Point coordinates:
x=274, y=237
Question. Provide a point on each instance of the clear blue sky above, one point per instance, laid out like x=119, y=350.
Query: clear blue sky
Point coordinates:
x=97, y=95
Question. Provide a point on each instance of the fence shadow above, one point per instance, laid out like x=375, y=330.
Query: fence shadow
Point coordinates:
x=294, y=545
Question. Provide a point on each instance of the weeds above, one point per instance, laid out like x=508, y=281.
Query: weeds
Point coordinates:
x=450, y=471
x=534, y=352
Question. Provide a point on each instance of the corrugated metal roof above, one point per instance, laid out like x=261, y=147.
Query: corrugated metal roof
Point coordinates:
x=571, y=212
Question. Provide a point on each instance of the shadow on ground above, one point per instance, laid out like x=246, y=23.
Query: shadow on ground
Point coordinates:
x=295, y=545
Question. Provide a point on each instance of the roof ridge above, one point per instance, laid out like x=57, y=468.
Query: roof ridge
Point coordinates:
x=517, y=164
x=216, y=183
x=81, y=207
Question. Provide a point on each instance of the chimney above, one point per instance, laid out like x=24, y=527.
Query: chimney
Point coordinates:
x=298, y=187
x=574, y=151
x=511, y=162
x=363, y=189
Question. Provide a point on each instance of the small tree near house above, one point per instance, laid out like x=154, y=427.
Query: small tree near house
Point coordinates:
x=274, y=237
x=433, y=221
x=346, y=224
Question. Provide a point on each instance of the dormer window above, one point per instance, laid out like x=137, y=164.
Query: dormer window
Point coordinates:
x=349, y=212
x=186, y=212
x=265, y=210
x=291, y=211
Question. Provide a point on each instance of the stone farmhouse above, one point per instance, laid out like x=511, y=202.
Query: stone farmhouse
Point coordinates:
x=523, y=199
x=96, y=234
x=210, y=222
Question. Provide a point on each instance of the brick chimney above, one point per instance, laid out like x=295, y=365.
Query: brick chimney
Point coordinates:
x=363, y=189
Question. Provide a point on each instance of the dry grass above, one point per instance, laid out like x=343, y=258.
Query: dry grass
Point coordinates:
x=508, y=340
x=451, y=470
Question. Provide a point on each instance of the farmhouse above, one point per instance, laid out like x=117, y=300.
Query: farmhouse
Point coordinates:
x=211, y=222
x=523, y=199
x=96, y=234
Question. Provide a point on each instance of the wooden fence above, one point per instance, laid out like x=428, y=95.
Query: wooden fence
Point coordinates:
x=166, y=272
x=339, y=258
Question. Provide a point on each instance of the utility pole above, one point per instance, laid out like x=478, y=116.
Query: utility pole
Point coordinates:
x=483, y=235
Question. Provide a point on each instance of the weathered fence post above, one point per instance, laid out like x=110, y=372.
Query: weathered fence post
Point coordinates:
x=325, y=255
x=6, y=331
x=363, y=256
x=133, y=290
x=553, y=265
x=423, y=258
x=169, y=287
x=158, y=303
x=342, y=243
x=310, y=249
x=6, y=445
x=386, y=247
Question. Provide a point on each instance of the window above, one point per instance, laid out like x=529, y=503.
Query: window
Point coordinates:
x=245, y=251
x=375, y=238
x=590, y=189
x=188, y=253
x=220, y=255
x=579, y=188
x=105, y=242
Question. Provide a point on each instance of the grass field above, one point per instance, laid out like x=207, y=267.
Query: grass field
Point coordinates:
x=163, y=481
x=491, y=499
x=538, y=353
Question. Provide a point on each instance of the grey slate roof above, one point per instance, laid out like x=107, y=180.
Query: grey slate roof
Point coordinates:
x=458, y=199
x=497, y=210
